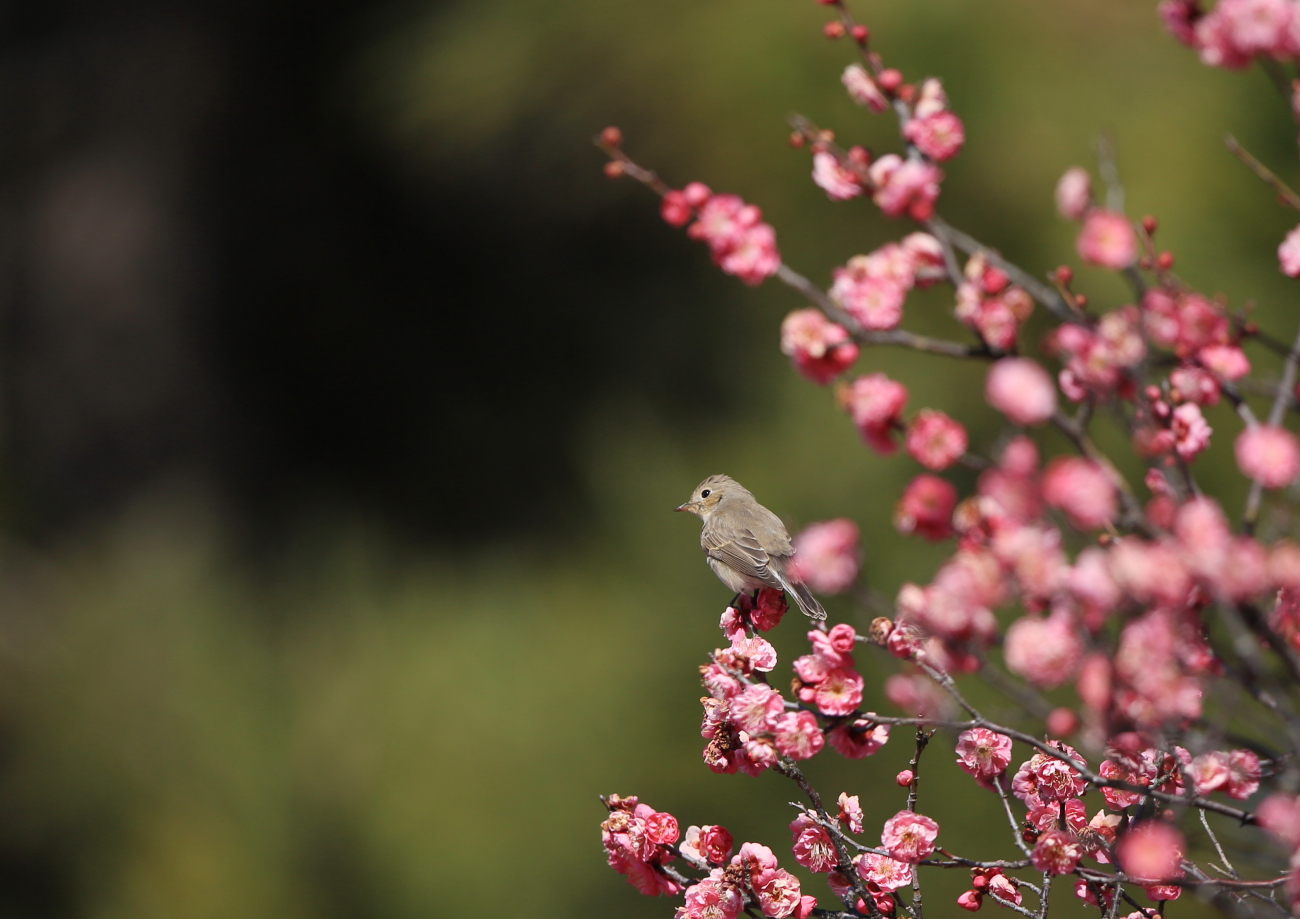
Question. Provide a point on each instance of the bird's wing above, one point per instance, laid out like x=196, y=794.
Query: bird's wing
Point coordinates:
x=740, y=550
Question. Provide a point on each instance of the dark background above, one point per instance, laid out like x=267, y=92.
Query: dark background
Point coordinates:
x=344, y=401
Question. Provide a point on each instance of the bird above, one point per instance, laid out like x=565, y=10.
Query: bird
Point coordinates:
x=745, y=544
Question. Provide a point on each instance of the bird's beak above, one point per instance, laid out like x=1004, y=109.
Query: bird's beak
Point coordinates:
x=683, y=507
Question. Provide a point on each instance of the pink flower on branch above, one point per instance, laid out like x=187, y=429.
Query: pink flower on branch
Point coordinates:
x=1269, y=455
x=1020, y=389
x=820, y=349
x=876, y=404
x=983, y=753
x=827, y=555
x=909, y=837
x=1107, y=239
x=934, y=440
x=939, y=136
x=839, y=182
x=1074, y=193
x=740, y=242
x=926, y=508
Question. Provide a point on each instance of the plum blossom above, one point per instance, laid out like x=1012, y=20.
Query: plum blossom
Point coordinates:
x=839, y=182
x=983, y=753
x=820, y=349
x=1288, y=254
x=1020, y=389
x=926, y=507
x=707, y=844
x=863, y=89
x=862, y=737
x=812, y=845
x=905, y=186
x=1046, y=652
x=939, y=136
x=885, y=872
x=1107, y=239
x=827, y=555
x=797, y=735
x=908, y=836
x=1270, y=455
x=711, y=898
x=876, y=404
x=935, y=440
x=1055, y=852
x=1151, y=851
x=1074, y=193
x=1082, y=489
x=740, y=242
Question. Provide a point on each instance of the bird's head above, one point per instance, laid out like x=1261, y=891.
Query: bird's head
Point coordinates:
x=704, y=499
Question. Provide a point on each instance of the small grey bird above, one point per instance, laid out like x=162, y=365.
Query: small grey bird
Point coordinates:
x=744, y=543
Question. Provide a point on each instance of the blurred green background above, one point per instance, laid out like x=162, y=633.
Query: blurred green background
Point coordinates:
x=345, y=400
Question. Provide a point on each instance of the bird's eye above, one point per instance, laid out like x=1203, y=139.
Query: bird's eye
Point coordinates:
x=705, y=493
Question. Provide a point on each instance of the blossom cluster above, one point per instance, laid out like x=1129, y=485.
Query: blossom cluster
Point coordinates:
x=1124, y=601
x=741, y=243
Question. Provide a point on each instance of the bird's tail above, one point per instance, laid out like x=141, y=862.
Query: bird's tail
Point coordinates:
x=803, y=596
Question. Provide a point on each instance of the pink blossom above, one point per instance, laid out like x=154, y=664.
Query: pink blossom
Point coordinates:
x=1157, y=685
x=797, y=735
x=840, y=693
x=756, y=653
x=1055, y=852
x=756, y=708
x=983, y=753
x=812, y=845
x=934, y=440
x=1082, y=489
x=1034, y=555
x=1107, y=239
x=1044, y=779
x=1095, y=360
x=827, y=555
x=850, y=812
x=875, y=302
x=1151, y=851
x=909, y=837
x=885, y=872
x=707, y=844
x=754, y=258
x=930, y=99
x=777, y=891
x=861, y=738
x=926, y=254
x=939, y=136
x=1179, y=16
x=1269, y=455
x=1003, y=888
x=1256, y=26
x=1243, y=774
x=862, y=89
x=839, y=182
x=1216, y=43
x=1020, y=389
x=1074, y=193
x=905, y=187
x=711, y=898
x=675, y=209
x=1279, y=814
x=876, y=403
x=740, y=242
x=1045, y=651
x=926, y=507
x=661, y=827
x=1190, y=429
x=820, y=349
x=1288, y=254
x=1227, y=362
x=971, y=900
